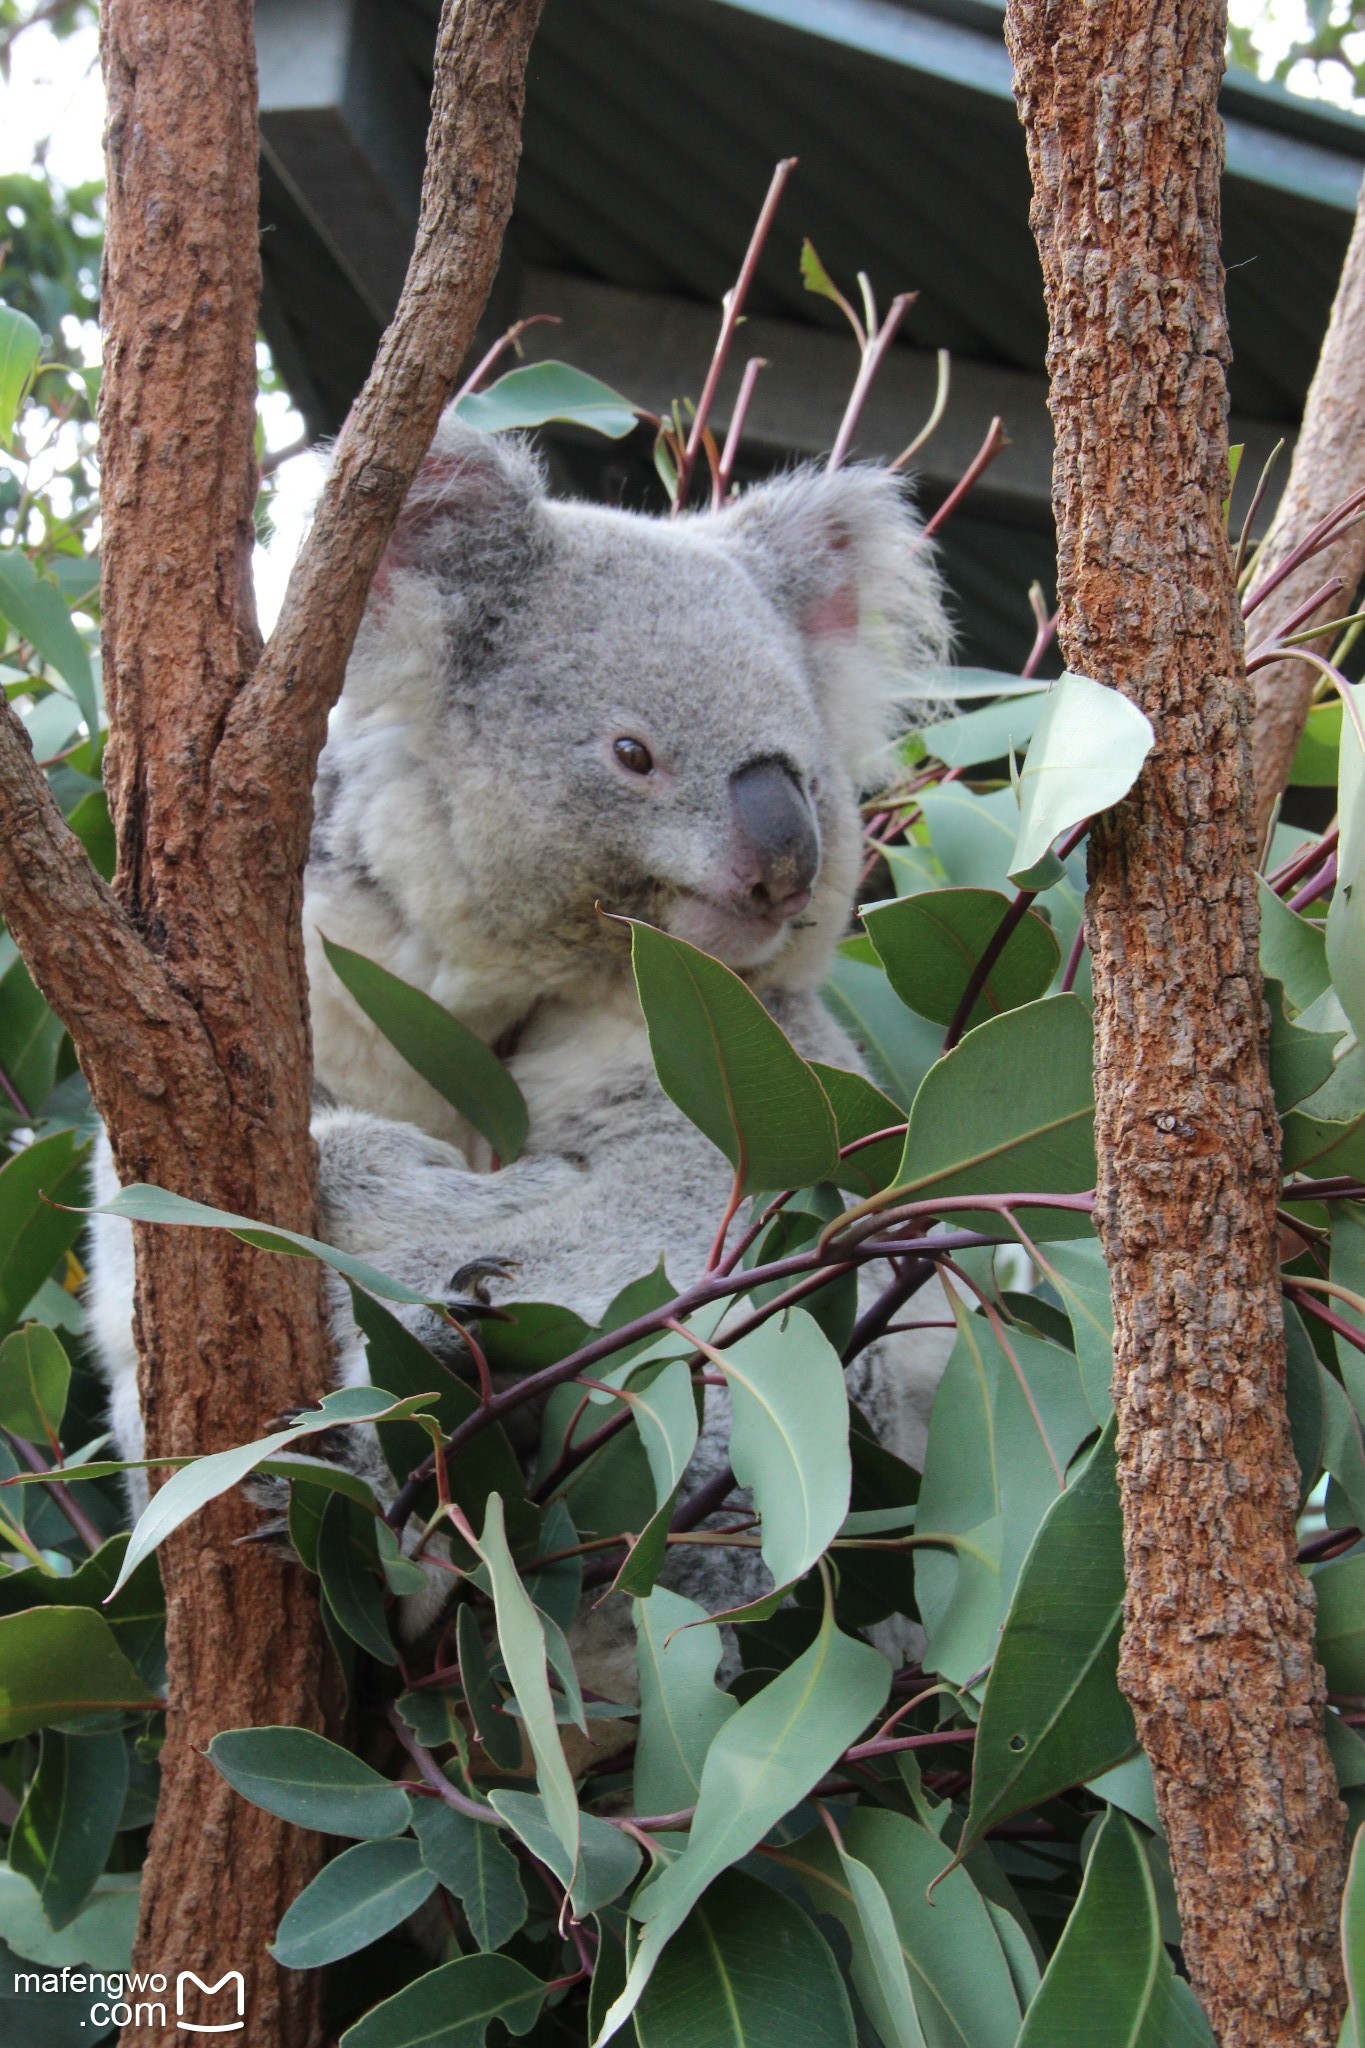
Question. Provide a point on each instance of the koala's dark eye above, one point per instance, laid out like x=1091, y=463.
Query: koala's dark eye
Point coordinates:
x=634, y=755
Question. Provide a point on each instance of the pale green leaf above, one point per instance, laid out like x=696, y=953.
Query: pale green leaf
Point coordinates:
x=681, y=1708
x=537, y=393
x=354, y=1899
x=1087, y=751
x=306, y=1779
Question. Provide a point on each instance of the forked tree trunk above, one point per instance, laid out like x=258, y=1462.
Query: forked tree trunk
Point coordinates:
x=1118, y=102
x=185, y=992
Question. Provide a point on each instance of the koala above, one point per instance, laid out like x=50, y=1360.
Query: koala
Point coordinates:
x=553, y=711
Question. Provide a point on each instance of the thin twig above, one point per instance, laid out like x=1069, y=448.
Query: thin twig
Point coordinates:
x=995, y=443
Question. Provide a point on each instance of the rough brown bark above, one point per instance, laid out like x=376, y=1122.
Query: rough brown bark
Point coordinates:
x=184, y=991
x=1329, y=462
x=1118, y=102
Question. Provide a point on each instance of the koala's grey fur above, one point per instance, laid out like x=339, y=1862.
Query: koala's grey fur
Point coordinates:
x=472, y=820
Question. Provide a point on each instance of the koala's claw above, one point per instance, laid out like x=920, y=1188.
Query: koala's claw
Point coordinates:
x=466, y=1292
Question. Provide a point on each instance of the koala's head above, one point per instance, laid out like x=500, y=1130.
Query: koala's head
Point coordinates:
x=553, y=707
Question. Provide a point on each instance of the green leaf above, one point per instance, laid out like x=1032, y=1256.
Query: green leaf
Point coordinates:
x=459, y=1066
x=34, y=1230
x=1078, y=1271
x=860, y=1109
x=94, y=827
x=816, y=278
x=35, y=1374
x=729, y=1068
x=789, y=1438
x=1346, y=912
x=99, y=1938
x=37, y=610
x=749, y=1969
x=21, y=344
x=306, y=1779
x=189, y=1489
x=1353, y=1945
x=59, y=1662
x=347, y=1556
x=1110, y=1983
x=540, y=392
x=1317, y=756
x=681, y=1708
x=473, y=1863
x=1340, y=1590
x=66, y=1826
x=959, y=1975
x=1293, y=949
x=136, y=1615
x=1300, y=1060
x=1087, y=752
x=974, y=737
x=452, y=2007
x=498, y=1733
x=990, y=1475
x=521, y=1639
x=931, y=943
x=143, y=1204
x=762, y=1763
x=879, y=1960
x=663, y=1406
x=30, y=1035
x=899, y=1047
x=353, y=1899
x=1010, y=1109
x=607, y=1859
x=1052, y=1714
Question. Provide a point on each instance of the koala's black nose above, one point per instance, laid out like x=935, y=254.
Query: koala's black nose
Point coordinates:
x=779, y=834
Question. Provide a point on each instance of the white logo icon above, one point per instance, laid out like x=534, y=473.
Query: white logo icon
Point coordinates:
x=197, y=2026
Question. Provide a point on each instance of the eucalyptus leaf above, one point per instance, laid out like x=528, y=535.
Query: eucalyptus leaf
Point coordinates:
x=201, y=1481
x=36, y=609
x=975, y=737
x=681, y=1708
x=453, y=2007
x=960, y=1979
x=749, y=1969
x=1110, y=1983
x=1353, y=1945
x=474, y=1864
x=1010, y=1109
x=21, y=344
x=761, y=1764
x=59, y=1663
x=1346, y=912
x=607, y=1858
x=143, y=1204
x=521, y=1638
x=353, y=1899
x=860, y=1111
x=789, y=1438
x=730, y=1068
x=537, y=393
x=35, y=1374
x=70, y=1815
x=898, y=1046
x=931, y=944
x=346, y=1560
x=1052, y=1713
x=446, y=1053
x=36, y=1228
x=306, y=1779
x=1087, y=751
x=1293, y=949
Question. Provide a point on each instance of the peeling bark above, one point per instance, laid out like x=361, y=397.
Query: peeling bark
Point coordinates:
x=1118, y=103
x=184, y=988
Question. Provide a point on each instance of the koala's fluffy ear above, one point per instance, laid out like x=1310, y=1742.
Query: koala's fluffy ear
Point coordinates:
x=841, y=555
x=470, y=532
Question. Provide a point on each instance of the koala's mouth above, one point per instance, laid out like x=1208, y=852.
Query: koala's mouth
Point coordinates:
x=739, y=931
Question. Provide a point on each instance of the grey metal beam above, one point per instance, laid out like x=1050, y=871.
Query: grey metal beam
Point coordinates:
x=343, y=126
x=655, y=348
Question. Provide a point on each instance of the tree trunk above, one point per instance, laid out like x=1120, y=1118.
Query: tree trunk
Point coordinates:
x=185, y=993
x=1119, y=107
x=1329, y=462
